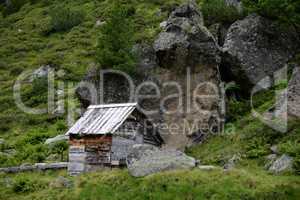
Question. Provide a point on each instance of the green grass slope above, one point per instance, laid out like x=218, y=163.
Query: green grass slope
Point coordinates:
x=29, y=39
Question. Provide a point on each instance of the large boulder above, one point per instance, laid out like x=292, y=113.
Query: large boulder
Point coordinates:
x=185, y=46
x=145, y=160
x=185, y=41
x=255, y=48
x=282, y=164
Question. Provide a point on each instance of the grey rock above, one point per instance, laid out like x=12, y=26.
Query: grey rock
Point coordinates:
x=2, y=141
x=207, y=167
x=189, y=10
x=163, y=24
x=61, y=182
x=56, y=139
x=145, y=160
x=274, y=149
x=185, y=41
x=10, y=170
x=41, y=72
x=27, y=167
x=255, y=48
x=186, y=44
x=99, y=23
x=53, y=166
x=282, y=164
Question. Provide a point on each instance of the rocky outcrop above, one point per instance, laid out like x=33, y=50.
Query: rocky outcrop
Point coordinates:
x=145, y=160
x=185, y=41
x=185, y=46
x=256, y=48
x=282, y=164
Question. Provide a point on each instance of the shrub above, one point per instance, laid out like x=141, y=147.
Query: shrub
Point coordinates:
x=115, y=44
x=63, y=18
x=216, y=11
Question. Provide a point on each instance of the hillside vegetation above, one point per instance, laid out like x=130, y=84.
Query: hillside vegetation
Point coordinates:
x=67, y=35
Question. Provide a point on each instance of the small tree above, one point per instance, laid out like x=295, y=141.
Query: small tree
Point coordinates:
x=114, y=49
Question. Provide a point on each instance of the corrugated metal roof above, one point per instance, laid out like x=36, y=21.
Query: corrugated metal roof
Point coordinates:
x=102, y=119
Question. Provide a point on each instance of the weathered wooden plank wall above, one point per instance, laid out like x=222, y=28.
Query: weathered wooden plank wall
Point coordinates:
x=87, y=151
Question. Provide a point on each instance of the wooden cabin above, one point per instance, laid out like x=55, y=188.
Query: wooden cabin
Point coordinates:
x=105, y=134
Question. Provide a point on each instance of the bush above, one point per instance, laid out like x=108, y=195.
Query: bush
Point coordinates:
x=115, y=44
x=63, y=19
x=216, y=11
